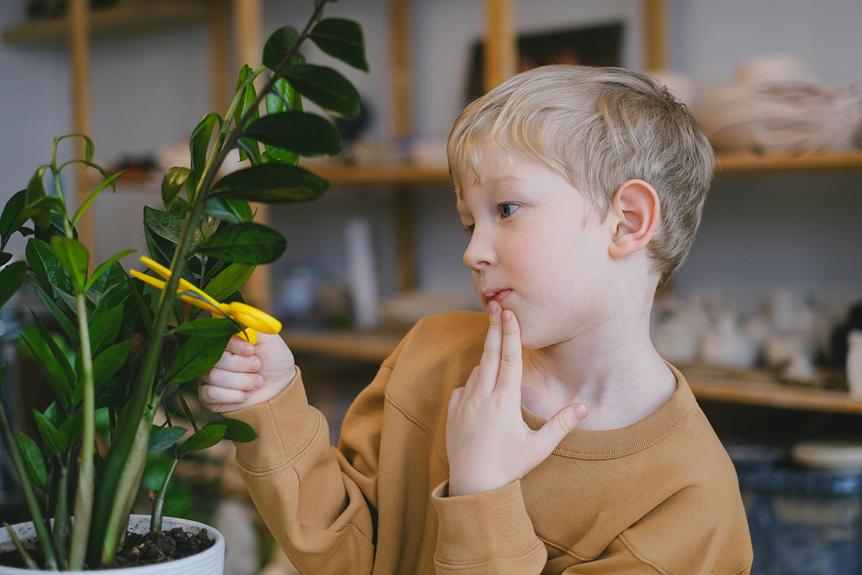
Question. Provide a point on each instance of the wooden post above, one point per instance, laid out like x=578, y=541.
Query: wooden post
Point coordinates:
x=499, y=42
x=79, y=48
x=218, y=16
x=655, y=40
x=405, y=239
x=247, y=15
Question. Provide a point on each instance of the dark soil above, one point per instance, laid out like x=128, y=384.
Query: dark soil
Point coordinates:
x=138, y=549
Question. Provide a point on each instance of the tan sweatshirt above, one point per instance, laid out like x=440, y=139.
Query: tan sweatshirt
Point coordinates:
x=659, y=496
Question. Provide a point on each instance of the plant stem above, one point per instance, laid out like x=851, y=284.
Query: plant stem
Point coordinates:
x=86, y=472
x=61, y=511
x=159, y=504
x=42, y=532
x=188, y=412
x=136, y=413
x=127, y=490
x=20, y=547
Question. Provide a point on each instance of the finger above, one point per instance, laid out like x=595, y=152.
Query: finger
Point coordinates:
x=489, y=367
x=211, y=394
x=511, y=366
x=549, y=436
x=238, y=346
x=471, y=381
x=455, y=400
x=238, y=363
x=232, y=380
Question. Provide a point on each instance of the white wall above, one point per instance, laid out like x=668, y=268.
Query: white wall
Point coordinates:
x=757, y=232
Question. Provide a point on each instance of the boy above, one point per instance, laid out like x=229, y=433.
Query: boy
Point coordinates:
x=471, y=452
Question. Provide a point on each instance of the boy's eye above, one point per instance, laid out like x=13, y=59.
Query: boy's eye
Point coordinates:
x=507, y=209
x=469, y=229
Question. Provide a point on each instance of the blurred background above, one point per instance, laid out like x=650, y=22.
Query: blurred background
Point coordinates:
x=765, y=318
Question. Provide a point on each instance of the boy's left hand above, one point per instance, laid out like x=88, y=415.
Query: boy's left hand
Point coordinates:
x=488, y=443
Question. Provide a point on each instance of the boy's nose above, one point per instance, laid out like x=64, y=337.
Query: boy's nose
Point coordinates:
x=479, y=253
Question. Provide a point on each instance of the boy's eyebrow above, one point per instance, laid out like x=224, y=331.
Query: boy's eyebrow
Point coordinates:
x=496, y=180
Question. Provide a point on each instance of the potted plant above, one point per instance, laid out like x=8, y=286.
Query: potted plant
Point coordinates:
x=122, y=348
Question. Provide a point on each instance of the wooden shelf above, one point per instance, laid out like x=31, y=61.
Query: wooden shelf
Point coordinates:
x=735, y=163
x=373, y=347
x=383, y=174
x=124, y=18
x=751, y=387
x=758, y=388
x=725, y=164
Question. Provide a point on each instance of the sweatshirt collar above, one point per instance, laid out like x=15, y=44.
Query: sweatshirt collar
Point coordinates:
x=610, y=444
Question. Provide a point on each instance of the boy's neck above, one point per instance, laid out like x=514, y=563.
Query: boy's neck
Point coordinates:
x=620, y=383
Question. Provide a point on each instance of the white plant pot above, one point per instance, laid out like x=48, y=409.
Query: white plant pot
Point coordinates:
x=208, y=562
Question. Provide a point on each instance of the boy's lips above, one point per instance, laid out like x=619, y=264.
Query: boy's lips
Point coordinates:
x=498, y=295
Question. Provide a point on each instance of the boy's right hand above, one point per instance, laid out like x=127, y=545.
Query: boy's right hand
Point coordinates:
x=247, y=375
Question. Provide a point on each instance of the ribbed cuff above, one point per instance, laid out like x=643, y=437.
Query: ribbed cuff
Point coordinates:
x=284, y=426
x=482, y=527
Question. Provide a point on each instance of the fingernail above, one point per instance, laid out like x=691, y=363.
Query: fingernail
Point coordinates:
x=581, y=411
x=493, y=307
x=259, y=383
x=507, y=316
x=255, y=363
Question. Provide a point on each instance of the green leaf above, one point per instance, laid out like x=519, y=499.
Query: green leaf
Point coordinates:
x=59, y=358
x=242, y=77
x=162, y=438
x=48, y=432
x=32, y=345
x=74, y=257
x=248, y=100
x=34, y=461
x=35, y=192
x=108, y=363
x=207, y=327
x=246, y=244
x=228, y=281
x=283, y=97
x=300, y=132
x=105, y=327
x=144, y=313
x=89, y=147
x=167, y=226
x=4, y=259
x=233, y=210
x=271, y=184
x=46, y=267
x=87, y=163
x=174, y=181
x=12, y=217
x=11, y=278
x=204, y=438
x=61, y=316
x=341, y=39
x=195, y=357
x=91, y=197
x=70, y=431
x=105, y=266
x=326, y=88
x=279, y=45
x=199, y=143
x=238, y=430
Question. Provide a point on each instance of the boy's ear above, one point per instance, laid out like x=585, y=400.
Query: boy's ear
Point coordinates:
x=634, y=218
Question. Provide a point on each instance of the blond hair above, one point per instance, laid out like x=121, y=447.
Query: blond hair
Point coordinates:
x=598, y=127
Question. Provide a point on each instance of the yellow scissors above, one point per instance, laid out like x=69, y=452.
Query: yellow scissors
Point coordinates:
x=252, y=318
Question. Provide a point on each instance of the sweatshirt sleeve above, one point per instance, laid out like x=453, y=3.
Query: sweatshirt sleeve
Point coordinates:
x=319, y=504
x=485, y=533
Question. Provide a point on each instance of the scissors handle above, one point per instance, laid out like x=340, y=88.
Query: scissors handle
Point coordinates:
x=249, y=316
